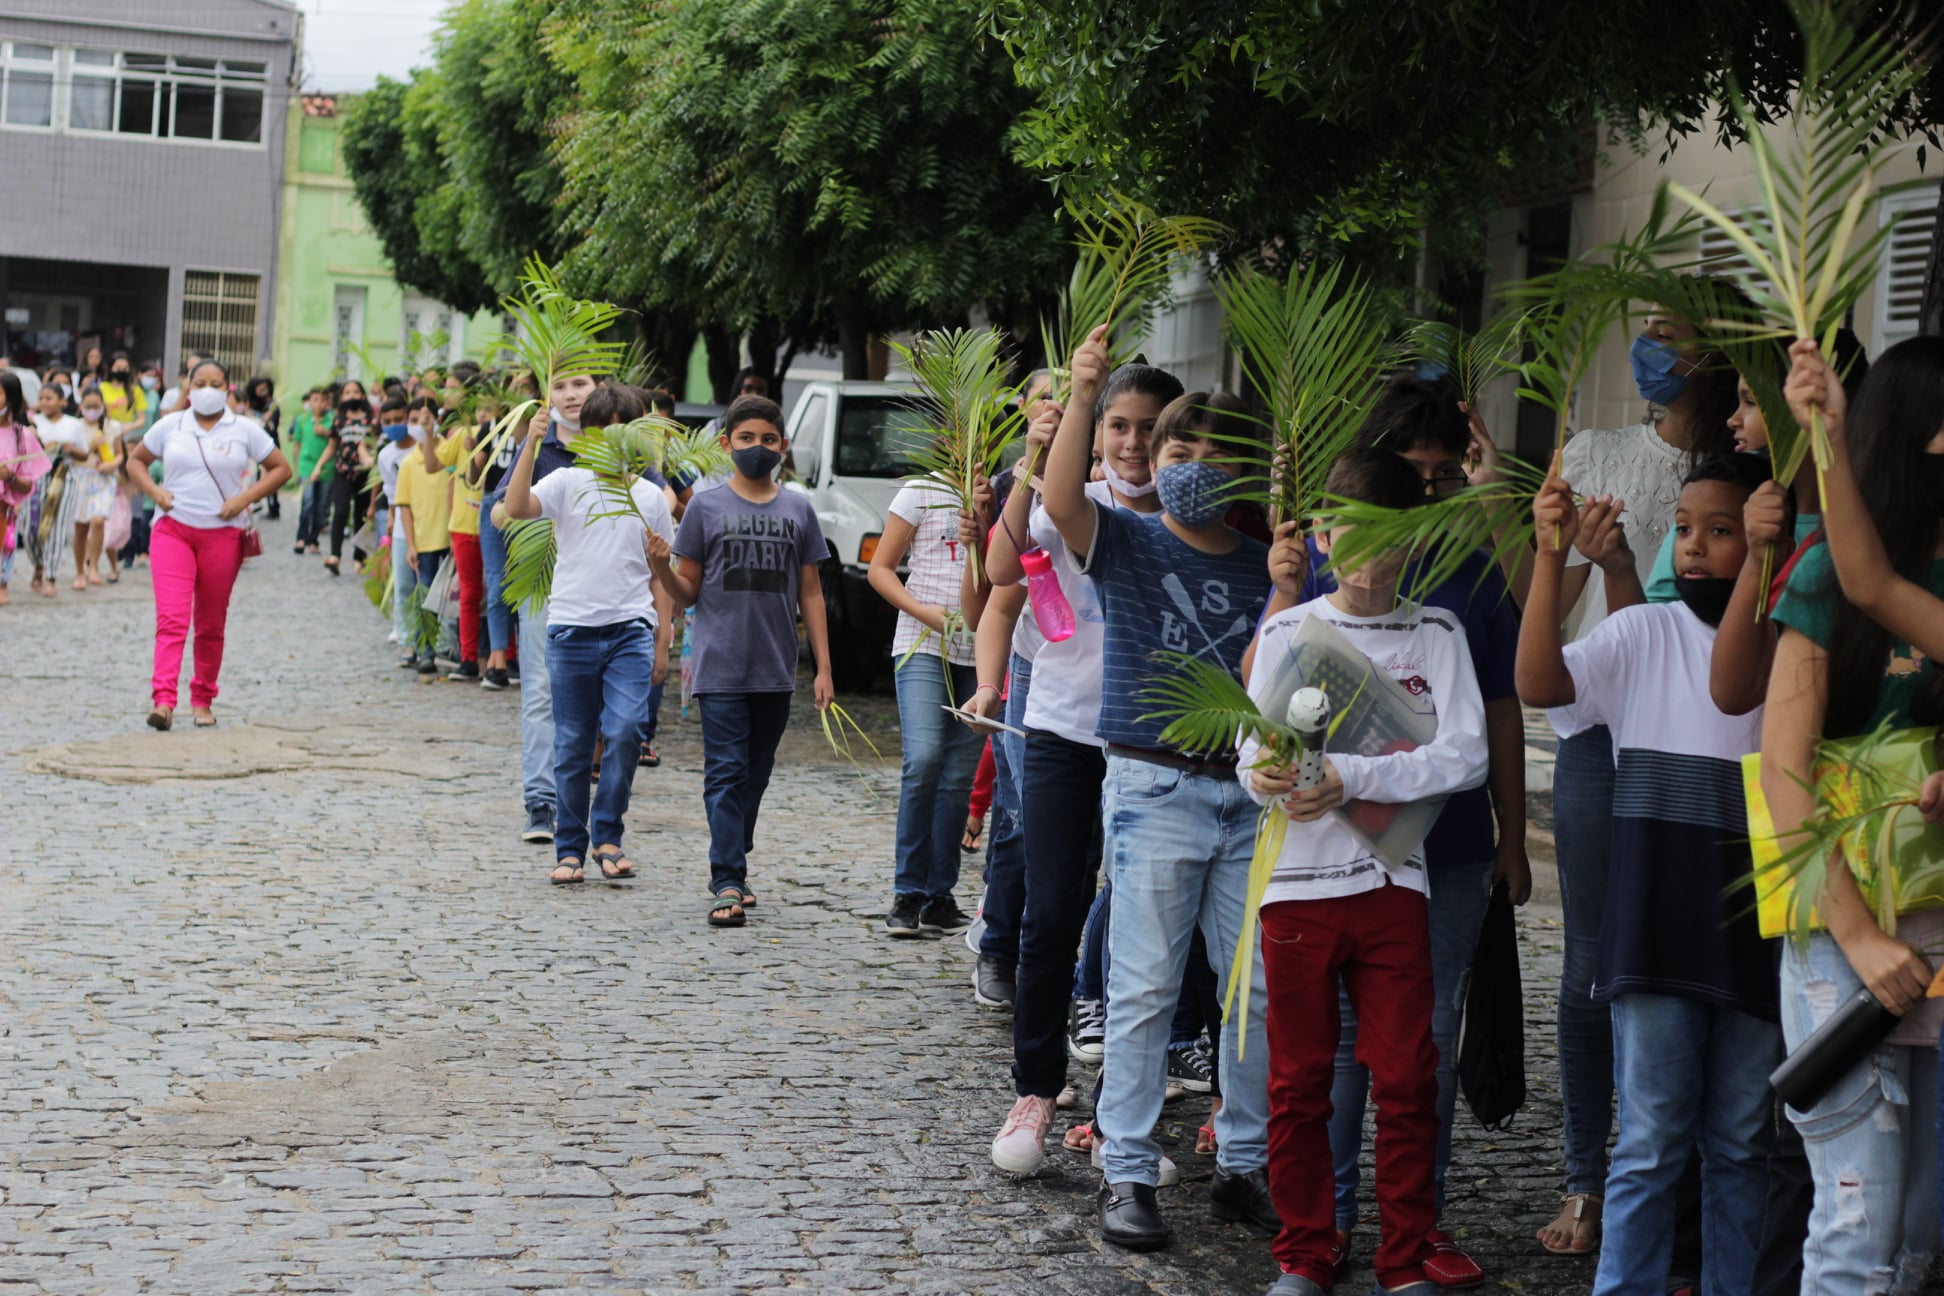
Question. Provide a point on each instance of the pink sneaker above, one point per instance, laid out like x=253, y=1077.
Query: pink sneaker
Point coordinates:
x=1021, y=1145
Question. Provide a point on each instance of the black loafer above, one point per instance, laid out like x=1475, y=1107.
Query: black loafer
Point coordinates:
x=1244, y=1199
x=1130, y=1218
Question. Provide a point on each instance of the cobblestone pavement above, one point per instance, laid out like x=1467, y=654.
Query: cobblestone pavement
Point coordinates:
x=285, y=1007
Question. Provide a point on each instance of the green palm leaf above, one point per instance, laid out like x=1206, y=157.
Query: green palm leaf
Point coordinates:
x=693, y=453
x=1206, y=709
x=530, y=555
x=1316, y=345
x=972, y=412
x=1468, y=360
x=1811, y=247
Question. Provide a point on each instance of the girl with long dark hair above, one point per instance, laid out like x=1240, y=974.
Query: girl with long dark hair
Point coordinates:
x=22, y=464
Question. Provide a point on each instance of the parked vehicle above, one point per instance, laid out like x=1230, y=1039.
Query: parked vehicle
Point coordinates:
x=849, y=451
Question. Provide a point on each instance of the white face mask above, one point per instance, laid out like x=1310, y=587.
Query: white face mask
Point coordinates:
x=569, y=424
x=1124, y=487
x=208, y=401
x=94, y=416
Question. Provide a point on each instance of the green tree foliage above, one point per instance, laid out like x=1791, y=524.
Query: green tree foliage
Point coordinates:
x=831, y=165
x=1331, y=120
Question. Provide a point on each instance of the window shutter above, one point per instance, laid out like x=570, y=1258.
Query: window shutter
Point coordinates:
x=1900, y=282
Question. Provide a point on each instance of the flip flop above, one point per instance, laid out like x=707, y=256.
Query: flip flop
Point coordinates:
x=623, y=869
x=724, y=902
x=575, y=867
x=161, y=718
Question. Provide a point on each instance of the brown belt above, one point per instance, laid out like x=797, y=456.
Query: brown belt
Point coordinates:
x=1199, y=766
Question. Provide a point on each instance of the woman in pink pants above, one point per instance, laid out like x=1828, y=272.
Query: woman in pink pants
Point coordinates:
x=208, y=453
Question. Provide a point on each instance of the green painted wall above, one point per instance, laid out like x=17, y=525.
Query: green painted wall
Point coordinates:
x=324, y=246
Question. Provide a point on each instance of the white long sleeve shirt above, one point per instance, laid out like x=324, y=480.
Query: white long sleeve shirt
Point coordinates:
x=1424, y=650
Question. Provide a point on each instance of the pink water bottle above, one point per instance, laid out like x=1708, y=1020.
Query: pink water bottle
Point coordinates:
x=1050, y=607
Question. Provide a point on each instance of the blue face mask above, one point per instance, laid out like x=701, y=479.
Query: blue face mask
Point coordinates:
x=1194, y=493
x=1654, y=363
x=395, y=432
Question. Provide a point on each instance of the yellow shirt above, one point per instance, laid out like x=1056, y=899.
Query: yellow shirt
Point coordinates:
x=455, y=454
x=429, y=496
x=126, y=405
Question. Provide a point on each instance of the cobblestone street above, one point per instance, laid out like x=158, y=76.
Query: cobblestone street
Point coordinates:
x=288, y=1008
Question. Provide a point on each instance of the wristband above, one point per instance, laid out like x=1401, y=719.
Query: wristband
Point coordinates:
x=981, y=688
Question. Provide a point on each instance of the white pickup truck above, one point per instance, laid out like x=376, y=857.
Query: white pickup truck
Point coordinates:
x=848, y=447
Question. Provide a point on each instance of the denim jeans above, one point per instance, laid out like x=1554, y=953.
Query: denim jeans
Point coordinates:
x=313, y=510
x=1459, y=893
x=652, y=725
x=1062, y=826
x=1688, y=1074
x=1871, y=1142
x=940, y=757
x=492, y=557
x=537, y=715
x=600, y=676
x=428, y=565
x=1090, y=974
x=740, y=732
x=1582, y=828
x=1005, y=870
x=405, y=579
x=1177, y=849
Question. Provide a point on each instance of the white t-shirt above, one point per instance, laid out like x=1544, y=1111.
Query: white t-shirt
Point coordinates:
x=66, y=430
x=602, y=575
x=1423, y=649
x=937, y=568
x=232, y=449
x=171, y=399
x=1644, y=472
x=390, y=458
x=1065, y=697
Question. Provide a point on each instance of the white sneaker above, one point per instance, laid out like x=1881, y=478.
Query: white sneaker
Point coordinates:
x=976, y=932
x=1066, y=1099
x=1021, y=1145
x=1169, y=1176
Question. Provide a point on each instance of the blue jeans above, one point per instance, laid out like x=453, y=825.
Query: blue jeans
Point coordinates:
x=600, y=678
x=1005, y=870
x=1582, y=829
x=940, y=757
x=1459, y=893
x=428, y=564
x=1177, y=851
x=1090, y=974
x=740, y=732
x=1871, y=1143
x=537, y=715
x=1061, y=796
x=405, y=579
x=652, y=724
x=1689, y=1075
x=492, y=562
x=313, y=510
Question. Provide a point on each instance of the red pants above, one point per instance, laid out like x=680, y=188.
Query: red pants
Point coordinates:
x=1379, y=944
x=982, y=783
x=472, y=588
x=192, y=570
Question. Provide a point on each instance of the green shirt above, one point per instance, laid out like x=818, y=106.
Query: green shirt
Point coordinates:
x=1808, y=606
x=311, y=445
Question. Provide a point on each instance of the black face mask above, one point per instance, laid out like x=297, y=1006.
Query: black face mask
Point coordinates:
x=1706, y=596
x=1931, y=475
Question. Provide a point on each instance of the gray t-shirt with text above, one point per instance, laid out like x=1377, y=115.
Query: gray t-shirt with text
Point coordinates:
x=752, y=557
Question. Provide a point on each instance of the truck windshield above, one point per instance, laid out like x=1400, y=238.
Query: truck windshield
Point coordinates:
x=877, y=435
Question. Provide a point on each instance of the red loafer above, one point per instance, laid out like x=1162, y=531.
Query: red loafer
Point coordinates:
x=1449, y=1266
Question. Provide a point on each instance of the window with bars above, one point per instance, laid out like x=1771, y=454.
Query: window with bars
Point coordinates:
x=164, y=96
x=430, y=333
x=219, y=318
x=1911, y=216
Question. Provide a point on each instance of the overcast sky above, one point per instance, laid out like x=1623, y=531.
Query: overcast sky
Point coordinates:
x=349, y=44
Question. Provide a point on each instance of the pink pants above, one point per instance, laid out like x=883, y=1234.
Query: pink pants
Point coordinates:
x=192, y=570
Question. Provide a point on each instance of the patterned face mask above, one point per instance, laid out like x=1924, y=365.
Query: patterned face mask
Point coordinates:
x=1194, y=493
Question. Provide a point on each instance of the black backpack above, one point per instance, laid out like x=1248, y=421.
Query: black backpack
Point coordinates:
x=1491, y=1031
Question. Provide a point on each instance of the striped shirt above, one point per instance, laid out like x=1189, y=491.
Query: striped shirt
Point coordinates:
x=937, y=569
x=1675, y=922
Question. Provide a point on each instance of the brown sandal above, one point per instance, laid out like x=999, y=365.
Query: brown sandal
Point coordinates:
x=161, y=718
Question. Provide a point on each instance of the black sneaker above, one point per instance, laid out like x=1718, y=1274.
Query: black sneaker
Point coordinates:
x=993, y=983
x=513, y=671
x=944, y=915
x=1190, y=1066
x=1087, y=1033
x=1244, y=1199
x=539, y=826
x=428, y=667
x=494, y=680
x=902, y=921
x=468, y=671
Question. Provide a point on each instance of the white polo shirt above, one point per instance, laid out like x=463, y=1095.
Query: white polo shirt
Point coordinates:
x=232, y=449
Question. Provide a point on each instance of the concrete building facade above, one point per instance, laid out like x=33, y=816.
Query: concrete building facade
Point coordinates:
x=143, y=147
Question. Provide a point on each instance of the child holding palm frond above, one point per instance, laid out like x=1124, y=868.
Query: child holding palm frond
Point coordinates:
x=1872, y=1140
x=1335, y=914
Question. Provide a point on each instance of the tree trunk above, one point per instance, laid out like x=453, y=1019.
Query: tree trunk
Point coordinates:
x=854, y=339
x=764, y=336
x=725, y=357
x=668, y=338
x=1930, y=320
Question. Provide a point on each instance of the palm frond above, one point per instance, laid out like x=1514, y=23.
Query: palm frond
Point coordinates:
x=530, y=555
x=1440, y=535
x=1810, y=245
x=972, y=412
x=1469, y=360
x=1206, y=709
x=693, y=453
x=1316, y=345
x=1128, y=254
x=369, y=370
x=421, y=349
